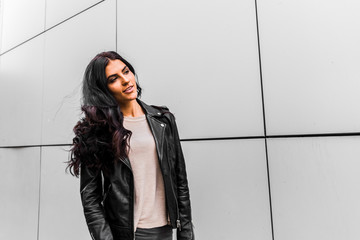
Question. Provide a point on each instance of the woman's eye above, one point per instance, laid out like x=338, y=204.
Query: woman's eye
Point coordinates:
x=112, y=80
x=127, y=71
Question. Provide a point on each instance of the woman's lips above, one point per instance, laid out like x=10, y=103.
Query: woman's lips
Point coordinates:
x=129, y=89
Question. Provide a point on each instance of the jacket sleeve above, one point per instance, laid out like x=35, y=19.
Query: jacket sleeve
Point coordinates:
x=186, y=231
x=91, y=197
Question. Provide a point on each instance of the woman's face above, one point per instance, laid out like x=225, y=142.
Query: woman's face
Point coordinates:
x=120, y=81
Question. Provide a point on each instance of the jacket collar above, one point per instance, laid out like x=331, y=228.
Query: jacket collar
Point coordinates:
x=149, y=110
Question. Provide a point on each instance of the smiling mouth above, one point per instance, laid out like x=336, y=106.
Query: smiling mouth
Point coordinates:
x=128, y=89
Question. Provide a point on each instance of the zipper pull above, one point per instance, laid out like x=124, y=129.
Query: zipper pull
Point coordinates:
x=178, y=225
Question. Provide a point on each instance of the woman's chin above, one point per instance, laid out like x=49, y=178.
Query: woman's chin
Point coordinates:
x=132, y=97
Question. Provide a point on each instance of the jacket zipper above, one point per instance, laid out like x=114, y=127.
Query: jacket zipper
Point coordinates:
x=178, y=223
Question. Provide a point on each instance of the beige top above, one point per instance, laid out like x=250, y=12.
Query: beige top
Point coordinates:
x=149, y=206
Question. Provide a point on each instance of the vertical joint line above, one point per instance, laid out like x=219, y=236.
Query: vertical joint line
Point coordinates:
x=264, y=119
x=260, y=67
x=38, y=221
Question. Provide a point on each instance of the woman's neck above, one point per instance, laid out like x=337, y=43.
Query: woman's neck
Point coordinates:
x=131, y=109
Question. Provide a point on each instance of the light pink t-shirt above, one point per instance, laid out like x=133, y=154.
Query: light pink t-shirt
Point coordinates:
x=149, y=206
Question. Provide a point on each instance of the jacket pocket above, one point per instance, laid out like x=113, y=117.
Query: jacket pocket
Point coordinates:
x=121, y=232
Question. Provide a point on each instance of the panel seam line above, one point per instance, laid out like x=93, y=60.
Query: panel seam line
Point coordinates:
x=9, y=50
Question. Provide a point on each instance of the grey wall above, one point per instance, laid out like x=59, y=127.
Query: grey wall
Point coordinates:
x=265, y=94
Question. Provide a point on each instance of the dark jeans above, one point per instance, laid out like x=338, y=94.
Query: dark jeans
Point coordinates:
x=158, y=233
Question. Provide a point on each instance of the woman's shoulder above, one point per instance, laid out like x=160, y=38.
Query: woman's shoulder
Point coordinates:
x=165, y=111
x=161, y=112
x=161, y=108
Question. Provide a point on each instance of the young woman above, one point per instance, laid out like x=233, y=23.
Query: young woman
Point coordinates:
x=128, y=155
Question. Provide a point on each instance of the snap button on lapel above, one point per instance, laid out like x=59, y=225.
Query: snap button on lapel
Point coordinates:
x=158, y=113
x=162, y=124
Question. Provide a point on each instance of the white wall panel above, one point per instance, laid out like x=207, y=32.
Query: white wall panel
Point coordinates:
x=69, y=48
x=60, y=197
x=21, y=94
x=228, y=189
x=315, y=188
x=310, y=60
x=199, y=58
x=21, y=20
x=1, y=21
x=19, y=198
x=57, y=11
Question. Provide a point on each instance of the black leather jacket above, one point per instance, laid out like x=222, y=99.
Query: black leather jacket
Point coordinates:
x=108, y=201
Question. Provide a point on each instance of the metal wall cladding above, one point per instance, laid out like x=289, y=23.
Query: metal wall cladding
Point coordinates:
x=228, y=189
x=314, y=185
x=20, y=21
x=310, y=58
x=200, y=58
x=19, y=184
x=58, y=11
x=60, y=197
x=69, y=48
x=21, y=91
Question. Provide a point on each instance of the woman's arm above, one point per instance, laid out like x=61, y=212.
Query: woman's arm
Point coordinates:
x=91, y=197
x=186, y=231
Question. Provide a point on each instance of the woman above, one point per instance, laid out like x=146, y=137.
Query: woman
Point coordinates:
x=133, y=181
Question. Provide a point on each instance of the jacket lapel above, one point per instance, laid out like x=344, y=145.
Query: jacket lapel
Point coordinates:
x=156, y=126
x=158, y=130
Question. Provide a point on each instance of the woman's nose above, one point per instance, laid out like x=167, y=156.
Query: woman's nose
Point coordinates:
x=126, y=80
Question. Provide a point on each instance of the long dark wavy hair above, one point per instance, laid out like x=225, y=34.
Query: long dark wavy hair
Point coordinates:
x=100, y=138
